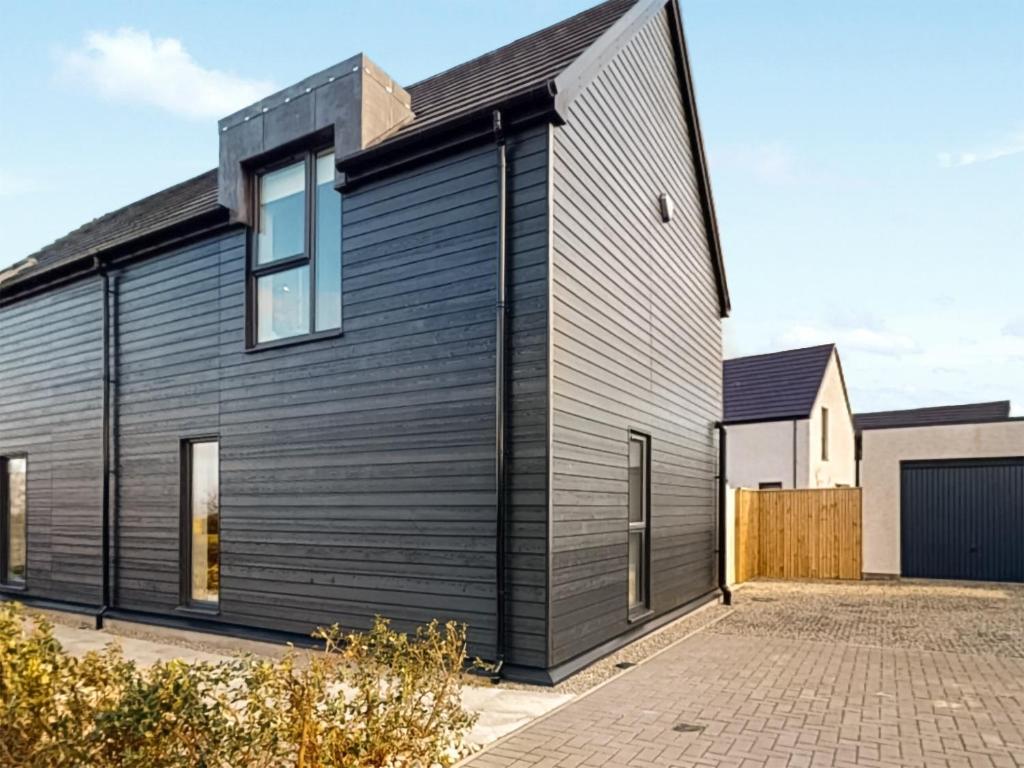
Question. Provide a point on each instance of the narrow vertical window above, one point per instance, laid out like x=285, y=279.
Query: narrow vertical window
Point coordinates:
x=639, y=518
x=824, y=434
x=202, y=523
x=295, y=288
x=328, y=246
x=14, y=499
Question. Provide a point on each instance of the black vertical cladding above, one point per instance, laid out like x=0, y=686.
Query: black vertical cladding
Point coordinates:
x=636, y=336
x=962, y=519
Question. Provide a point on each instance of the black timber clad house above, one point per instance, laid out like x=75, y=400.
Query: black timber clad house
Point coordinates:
x=510, y=423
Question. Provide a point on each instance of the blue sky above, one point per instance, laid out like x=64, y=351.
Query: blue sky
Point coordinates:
x=867, y=158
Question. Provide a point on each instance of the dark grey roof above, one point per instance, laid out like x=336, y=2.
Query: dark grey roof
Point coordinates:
x=509, y=71
x=970, y=413
x=774, y=386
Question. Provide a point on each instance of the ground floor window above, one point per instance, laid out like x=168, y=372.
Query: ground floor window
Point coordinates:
x=639, y=523
x=14, y=508
x=201, y=523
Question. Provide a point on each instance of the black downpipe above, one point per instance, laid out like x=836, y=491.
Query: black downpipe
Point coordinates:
x=723, y=533
x=105, y=451
x=500, y=397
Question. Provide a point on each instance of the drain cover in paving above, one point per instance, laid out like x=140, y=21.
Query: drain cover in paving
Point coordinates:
x=687, y=728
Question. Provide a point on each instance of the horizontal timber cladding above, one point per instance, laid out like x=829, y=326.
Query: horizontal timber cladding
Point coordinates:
x=637, y=345
x=357, y=473
x=51, y=409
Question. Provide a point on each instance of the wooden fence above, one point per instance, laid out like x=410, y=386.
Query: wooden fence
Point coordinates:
x=802, y=534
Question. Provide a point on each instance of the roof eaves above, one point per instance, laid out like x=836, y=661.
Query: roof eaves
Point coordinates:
x=413, y=146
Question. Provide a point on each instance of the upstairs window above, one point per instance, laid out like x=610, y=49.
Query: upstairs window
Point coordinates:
x=824, y=434
x=295, y=274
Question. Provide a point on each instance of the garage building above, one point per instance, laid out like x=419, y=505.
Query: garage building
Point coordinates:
x=943, y=494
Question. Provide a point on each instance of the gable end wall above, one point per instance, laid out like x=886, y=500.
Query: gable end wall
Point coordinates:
x=636, y=337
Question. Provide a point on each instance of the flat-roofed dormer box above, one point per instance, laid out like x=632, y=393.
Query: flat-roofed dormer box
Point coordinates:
x=277, y=175
x=348, y=107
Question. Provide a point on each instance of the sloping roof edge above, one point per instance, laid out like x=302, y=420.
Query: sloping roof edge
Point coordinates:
x=574, y=79
x=548, y=100
x=842, y=380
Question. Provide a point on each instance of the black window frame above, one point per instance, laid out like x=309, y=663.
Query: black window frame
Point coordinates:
x=642, y=609
x=5, y=524
x=254, y=271
x=185, y=600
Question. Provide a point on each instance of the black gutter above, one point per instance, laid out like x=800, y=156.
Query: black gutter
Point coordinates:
x=723, y=509
x=417, y=146
x=131, y=250
x=500, y=392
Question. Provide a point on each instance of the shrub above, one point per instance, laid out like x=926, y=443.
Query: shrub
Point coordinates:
x=382, y=698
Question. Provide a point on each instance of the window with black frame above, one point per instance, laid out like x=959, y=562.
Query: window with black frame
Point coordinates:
x=639, y=474
x=201, y=524
x=13, y=518
x=295, y=267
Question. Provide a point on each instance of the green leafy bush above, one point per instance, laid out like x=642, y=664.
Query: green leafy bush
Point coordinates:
x=382, y=698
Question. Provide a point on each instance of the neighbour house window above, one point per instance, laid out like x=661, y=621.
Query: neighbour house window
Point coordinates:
x=639, y=523
x=824, y=434
x=14, y=508
x=769, y=486
x=201, y=523
x=295, y=287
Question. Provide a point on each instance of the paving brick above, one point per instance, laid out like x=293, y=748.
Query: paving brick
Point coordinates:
x=775, y=684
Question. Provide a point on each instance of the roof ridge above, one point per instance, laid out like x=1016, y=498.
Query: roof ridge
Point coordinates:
x=516, y=41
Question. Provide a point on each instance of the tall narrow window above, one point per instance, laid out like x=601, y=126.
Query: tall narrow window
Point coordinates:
x=14, y=506
x=296, y=265
x=201, y=556
x=639, y=519
x=824, y=434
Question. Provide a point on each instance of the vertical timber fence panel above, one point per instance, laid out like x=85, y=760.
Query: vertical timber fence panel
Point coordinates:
x=802, y=534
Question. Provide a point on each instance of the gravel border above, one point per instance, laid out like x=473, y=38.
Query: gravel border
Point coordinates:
x=636, y=652
x=600, y=671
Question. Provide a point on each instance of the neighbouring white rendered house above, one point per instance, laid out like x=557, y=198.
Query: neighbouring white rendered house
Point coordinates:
x=788, y=421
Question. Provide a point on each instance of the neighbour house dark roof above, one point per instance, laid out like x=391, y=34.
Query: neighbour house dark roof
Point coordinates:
x=528, y=65
x=774, y=386
x=970, y=413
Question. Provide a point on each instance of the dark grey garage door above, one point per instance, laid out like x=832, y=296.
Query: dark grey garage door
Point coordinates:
x=963, y=519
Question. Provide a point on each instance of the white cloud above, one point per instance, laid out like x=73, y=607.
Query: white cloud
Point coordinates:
x=131, y=65
x=1010, y=145
x=860, y=339
x=1015, y=327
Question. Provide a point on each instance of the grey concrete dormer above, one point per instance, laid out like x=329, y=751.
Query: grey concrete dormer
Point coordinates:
x=355, y=102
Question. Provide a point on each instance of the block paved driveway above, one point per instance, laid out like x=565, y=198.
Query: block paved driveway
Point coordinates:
x=866, y=674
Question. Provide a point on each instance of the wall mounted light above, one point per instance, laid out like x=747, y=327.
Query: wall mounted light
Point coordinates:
x=667, y=207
